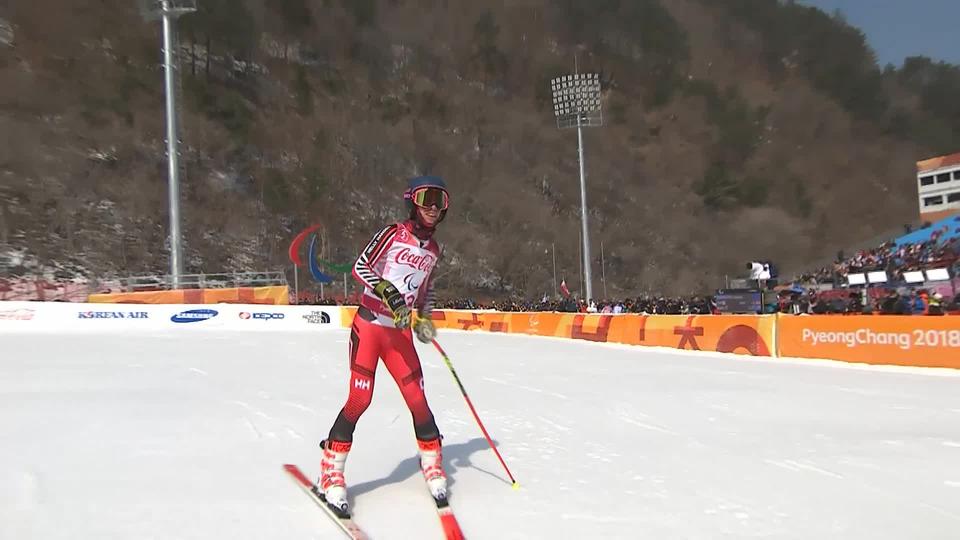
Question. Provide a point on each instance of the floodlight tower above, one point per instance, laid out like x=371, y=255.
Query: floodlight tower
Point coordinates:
x=170, y=11
x=576, y=103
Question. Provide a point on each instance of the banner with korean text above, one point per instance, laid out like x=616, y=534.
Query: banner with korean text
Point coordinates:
x=742, y=334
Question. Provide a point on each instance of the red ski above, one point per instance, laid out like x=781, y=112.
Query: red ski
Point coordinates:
x=343, y=520
x=449, y=522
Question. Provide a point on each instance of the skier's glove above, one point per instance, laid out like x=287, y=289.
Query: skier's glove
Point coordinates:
x=395, y=302
x=424, y=328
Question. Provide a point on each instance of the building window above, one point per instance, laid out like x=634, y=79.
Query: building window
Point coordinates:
x=933, y=201
x=953, y=197
x=956, y=175
x=926, y=181
x=943, y=177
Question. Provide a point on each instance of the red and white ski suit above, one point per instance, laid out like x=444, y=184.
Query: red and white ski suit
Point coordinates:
x=395, y=254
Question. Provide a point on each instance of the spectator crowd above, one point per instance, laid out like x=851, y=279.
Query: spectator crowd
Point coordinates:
x=857, y=302
x=651, y=305
x=880, y=301
x=941, y=249
x=659, y=305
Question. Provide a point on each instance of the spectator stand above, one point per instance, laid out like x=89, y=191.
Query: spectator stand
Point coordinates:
x=946, y=229
x=910, y=292
x=931, y=265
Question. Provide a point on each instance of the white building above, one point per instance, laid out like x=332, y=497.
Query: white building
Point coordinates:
x=938, y=187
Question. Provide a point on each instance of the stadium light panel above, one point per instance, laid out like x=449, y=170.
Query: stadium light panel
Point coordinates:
x=856, y=279
x=913, y=277
x=938, y=274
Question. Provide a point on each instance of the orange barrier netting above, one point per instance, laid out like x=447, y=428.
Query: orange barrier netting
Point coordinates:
x=897, y=340
x=243, y=295
x=743, y=334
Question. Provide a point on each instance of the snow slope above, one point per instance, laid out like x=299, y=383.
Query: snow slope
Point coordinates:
x=181, y=436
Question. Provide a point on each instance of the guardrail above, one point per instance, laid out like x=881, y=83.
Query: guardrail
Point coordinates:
x=223, y=280
x=29, y=288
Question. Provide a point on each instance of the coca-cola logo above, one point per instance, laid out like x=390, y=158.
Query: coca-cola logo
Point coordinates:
x=17, y=315
x=421, y=262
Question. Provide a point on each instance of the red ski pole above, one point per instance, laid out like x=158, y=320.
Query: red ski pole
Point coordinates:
x=446, y=359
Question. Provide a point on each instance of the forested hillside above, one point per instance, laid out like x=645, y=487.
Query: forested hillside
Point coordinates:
x=734, y=129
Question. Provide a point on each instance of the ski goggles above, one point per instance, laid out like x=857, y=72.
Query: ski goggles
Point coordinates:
x=426, y=197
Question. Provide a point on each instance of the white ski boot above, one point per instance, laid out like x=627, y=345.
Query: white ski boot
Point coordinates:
x=331, y=474
x=431, y=463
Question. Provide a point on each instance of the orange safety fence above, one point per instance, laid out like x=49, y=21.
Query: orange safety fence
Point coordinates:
x=743, y=334
x=892, y=339
x=243, y=295
x=897, y=340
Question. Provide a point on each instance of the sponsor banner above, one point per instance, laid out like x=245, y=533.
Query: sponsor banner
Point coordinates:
x=278, y=318
x=888, y=339
x=53, y=317
x=192, y=316
x=244, y=295
x=261, y=316
x=287, y=318
x=17, y=314
x=317, y=317
x=99, y=314
x=33, y=316
x=66, y=316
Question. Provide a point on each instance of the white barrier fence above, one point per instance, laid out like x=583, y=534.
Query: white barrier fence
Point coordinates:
x=17, y=317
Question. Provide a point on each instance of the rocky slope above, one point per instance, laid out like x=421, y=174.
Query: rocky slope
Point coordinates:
x=307, y=111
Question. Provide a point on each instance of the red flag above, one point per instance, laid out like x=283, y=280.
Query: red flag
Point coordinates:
x=563, y=288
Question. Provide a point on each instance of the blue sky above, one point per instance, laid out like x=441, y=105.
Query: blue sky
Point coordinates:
x=900, y=28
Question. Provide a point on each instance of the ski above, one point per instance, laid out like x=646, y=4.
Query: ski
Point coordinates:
x=344, y=521
x=448, y=521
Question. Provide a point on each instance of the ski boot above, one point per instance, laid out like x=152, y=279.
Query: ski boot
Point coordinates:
x=431, y=463
x=331, y=482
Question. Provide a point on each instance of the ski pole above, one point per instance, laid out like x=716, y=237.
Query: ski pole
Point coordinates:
x=446, y=359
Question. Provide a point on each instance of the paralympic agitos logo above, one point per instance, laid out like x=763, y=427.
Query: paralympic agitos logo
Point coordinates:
x=420, y=262
x=411, y=283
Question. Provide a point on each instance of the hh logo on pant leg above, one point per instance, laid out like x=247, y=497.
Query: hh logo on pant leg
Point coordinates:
x=361, y=384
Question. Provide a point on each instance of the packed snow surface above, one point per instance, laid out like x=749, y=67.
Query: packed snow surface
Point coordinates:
x=182, y=436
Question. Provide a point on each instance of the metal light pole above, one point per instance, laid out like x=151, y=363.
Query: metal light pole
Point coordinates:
x=296, y=284
x=169, y=11
x=553, y=247
x=580, y=267
x=603, y=271
x=576, y=103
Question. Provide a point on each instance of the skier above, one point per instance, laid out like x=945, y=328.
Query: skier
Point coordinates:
x=395, y=269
